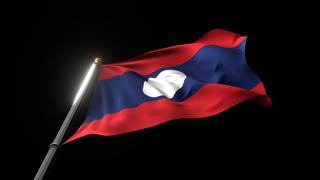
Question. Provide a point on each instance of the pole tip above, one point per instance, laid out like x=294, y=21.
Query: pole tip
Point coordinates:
x=97, y=60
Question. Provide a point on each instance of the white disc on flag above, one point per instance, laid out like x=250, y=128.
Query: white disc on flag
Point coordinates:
x=167, y=83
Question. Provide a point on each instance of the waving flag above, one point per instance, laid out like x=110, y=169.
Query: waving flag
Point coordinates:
x=193, y=80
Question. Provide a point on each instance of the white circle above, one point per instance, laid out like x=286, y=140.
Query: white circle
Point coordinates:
x=167, y=83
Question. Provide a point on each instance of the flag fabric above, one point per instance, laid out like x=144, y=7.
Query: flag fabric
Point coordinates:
x=193, y=80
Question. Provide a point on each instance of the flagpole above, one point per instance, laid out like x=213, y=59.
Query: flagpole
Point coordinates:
x=53, y=147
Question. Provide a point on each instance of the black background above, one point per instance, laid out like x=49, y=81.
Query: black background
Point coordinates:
x=57, y=45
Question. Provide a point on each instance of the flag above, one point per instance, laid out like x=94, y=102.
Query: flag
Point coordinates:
x=193, y=80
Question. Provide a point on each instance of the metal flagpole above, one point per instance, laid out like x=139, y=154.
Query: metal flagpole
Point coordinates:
x=53, y=147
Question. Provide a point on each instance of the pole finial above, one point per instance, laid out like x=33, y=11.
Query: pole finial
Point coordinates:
x=97, y=60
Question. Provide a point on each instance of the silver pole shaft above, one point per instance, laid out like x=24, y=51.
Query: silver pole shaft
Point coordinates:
x=53, y=147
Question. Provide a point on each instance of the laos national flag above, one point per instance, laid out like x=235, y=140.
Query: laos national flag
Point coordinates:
x=193, y=80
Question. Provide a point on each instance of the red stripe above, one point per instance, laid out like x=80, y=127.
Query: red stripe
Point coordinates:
x=171, y=56
x=209, y=100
